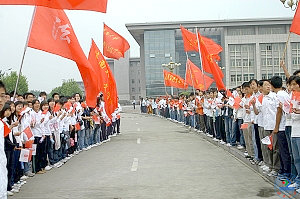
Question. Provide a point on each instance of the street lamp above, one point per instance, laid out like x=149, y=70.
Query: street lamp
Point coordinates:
x=171, y=66
x=290, y=4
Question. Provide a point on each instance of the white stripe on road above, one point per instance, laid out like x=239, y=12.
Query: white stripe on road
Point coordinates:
x=135, y=164
x=138, y=141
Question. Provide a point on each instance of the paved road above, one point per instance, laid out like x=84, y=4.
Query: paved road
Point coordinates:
x=153, y=158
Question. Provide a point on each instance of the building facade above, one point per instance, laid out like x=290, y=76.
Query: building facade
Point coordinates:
x=252, y=48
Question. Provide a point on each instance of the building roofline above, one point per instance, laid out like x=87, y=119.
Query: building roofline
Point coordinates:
x=211, y=23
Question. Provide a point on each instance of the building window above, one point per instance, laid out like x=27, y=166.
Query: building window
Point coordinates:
x=133, y=89
x=132, y=81
x=132, y=97
x=167, y=55
x=139, y=81
x=295, y=56
x=139, y=89
x=268, y=30
x=246, y=78
x=232, y=31
x=270, y=59
x=152, y=55
x=239, y=78
x=233, y=78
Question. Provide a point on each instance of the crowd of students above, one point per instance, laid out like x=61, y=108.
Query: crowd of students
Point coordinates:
x=260, y=117
x=50, y=130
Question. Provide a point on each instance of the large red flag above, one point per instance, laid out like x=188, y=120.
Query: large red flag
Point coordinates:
x=295, y=27
x=94, y=5
x=106, y=81
x=174, y=80
x=52, y=32
x=114, y=45
x=190, y=43
x=195, y=77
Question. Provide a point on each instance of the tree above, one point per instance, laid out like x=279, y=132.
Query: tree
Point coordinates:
x=10, y=82
x=68, y=88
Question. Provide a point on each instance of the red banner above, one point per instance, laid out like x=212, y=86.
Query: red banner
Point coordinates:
x=174, y=80
x=52, y=32
x=114, y=45
x=195, y=77
x=93, y=5
x=107, y=84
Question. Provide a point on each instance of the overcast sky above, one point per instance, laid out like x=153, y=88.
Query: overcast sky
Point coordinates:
x=46, y=71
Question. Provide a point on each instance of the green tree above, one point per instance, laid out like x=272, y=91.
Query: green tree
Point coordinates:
x=10, y=82
x=68, y=88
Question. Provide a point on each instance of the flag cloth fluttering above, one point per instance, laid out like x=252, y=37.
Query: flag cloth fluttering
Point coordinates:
x=174, y=80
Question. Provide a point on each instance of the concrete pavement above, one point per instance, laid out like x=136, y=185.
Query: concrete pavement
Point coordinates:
x=153, y=158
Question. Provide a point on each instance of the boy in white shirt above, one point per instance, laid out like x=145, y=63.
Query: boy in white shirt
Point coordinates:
x=282, y=97
x=3, y=170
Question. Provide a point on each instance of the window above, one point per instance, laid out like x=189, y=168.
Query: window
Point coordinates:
x=133, y=89
x=152, y=55
x=251, y=76
x=132, y=81
x=266, y=30
x=233, y=78
x=167, y=55
x=295, y=56
x=246, y=78
x=239, y=78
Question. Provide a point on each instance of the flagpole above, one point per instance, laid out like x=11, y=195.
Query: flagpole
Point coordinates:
x=23, y=57
x=187, y=58
x=283, y=57
x=200, y=57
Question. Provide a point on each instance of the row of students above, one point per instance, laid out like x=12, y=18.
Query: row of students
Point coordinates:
x=255, y=111
x=54, y=130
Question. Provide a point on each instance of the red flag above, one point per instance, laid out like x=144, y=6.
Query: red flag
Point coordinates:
x=28, y=144
x=114, y=45
x=244, y=126
x=260, y=98
x=93, y=5
x=107, y=84
x=295, y=27
x=296, y=95
x=194, y=77
x=28, y=132
x=237, y=102
x=45, y=112
x=228, y=93
x=56, y=108
x=6, y=128
x=174, y=80
x=52, y=32
x=68, y=105
x=191, y=43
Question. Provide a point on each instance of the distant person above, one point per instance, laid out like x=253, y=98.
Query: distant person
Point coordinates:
x=133, y=103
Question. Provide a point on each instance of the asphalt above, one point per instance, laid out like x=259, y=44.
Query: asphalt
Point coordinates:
x=152, y=158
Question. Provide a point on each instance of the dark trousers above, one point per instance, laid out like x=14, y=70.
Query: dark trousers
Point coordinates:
x=114, y=124
x=49, y=149
x=17, y=172
x=258, y=144
x=218, y=127
x=40, y=158
x=103, y=132
x=109, y=130
x=285, y=158
x=10, y=166
x=118, y=125
x=210, y=126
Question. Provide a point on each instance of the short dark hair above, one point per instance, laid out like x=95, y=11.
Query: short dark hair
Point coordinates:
x=294, y=78
x=246, y=85
x=296, y=72
x=276, y=81
x=43, y=103
x=253, y=80
x=2, y=86
x=54, y=94
x=260, y=82
x=42, y=93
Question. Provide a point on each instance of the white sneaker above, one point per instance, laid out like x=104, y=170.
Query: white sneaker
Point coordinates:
x=48, y=168
x=24, y=178
x=240, y=147
x=222, y=142
x=209, y=135
x=215, y=139
x=10, y=193
x=294, y=185
x=22, y=183
x=228, y=144
x=15, y=190
x=89, y=147
x=273, y=173
x=85, y=149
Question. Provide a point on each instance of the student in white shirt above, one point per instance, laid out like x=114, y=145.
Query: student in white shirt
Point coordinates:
x=3, y=170
x=294, y=82
x=248, y=117
x=282, y=97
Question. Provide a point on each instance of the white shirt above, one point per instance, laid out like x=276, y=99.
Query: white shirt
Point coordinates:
x=37, y=130
x=3, y=170
x=269, y=110
x=247, y=117
x=295, y=125
x=256, y=116
x=282, y=97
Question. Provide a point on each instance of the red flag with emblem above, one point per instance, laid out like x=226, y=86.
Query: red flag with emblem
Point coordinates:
x=98, y=5
x=114, y=45
x=174, y=80
x=52, y=32
x=107, y=84
x=195, y=77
